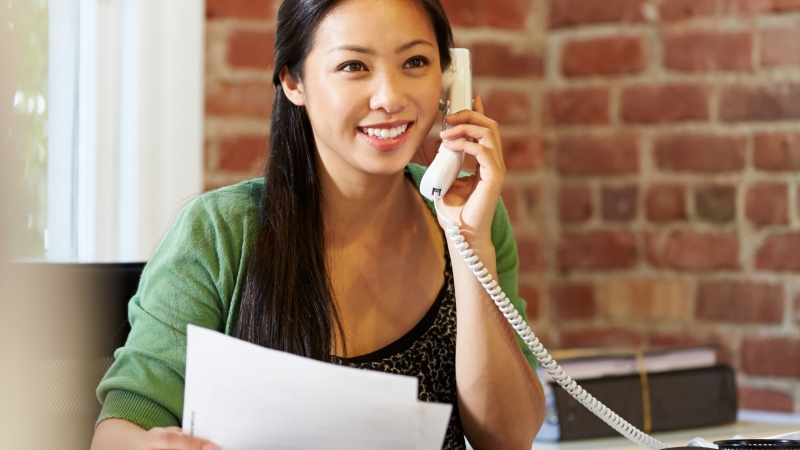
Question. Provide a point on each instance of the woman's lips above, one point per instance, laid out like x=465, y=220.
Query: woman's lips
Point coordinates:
x=389, y=144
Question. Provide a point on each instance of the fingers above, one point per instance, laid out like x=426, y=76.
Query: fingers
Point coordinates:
x=472, y=117
x=482, y=136
x=474, y=125
x=471, y=131
x=173, y=438
x=490, y=167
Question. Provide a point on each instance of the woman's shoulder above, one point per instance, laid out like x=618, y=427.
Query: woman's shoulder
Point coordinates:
x=225, y=213
x=231, y=202
x=243, y=197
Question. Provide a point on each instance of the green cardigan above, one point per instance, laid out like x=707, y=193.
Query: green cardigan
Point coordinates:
x=196, y=276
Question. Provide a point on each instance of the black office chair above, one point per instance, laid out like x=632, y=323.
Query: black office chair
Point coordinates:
x=70, y=318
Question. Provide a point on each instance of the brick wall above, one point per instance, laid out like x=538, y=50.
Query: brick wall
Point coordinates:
x=653, y=150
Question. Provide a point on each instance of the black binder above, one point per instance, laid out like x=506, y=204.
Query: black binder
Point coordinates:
x=678, y=399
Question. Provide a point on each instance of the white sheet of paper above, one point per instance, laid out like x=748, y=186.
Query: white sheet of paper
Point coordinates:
x=241, y=396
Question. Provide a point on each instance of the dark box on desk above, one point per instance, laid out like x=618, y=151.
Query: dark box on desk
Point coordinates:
x=678, y=399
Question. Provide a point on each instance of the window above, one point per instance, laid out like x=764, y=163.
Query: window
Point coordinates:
x=108, y=125
x=27, y=137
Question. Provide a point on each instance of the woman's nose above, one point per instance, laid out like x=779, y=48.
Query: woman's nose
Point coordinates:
x=389, y=95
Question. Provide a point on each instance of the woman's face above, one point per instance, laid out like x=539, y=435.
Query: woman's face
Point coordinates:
x=371, y=85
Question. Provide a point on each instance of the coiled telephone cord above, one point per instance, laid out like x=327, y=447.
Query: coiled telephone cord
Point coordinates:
x=496, y=293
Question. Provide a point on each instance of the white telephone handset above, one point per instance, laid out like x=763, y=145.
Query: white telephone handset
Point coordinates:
x=457, y=96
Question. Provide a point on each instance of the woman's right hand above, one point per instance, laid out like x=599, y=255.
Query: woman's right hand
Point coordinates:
x=118, y=434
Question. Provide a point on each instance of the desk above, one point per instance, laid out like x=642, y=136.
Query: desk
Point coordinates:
x=676, y=438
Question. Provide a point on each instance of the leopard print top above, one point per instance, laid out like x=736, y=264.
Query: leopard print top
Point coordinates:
x=428, y=352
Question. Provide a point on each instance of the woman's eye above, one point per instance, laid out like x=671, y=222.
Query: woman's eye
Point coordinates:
x=352, y=67
x=416, y=62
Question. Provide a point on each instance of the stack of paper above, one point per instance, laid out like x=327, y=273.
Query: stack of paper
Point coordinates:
x=242, y=396
x=584, y=364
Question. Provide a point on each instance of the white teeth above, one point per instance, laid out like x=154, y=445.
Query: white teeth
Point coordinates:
x=385, y=133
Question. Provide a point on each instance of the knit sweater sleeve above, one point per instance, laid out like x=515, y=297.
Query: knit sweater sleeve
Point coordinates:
x=507, y=269
x=191, y=278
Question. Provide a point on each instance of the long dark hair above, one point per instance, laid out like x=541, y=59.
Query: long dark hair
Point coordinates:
x=287, y=302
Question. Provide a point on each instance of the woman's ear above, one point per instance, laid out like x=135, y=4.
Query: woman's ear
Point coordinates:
x=292, y=89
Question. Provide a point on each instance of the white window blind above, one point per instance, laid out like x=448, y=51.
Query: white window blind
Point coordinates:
x=125, y=124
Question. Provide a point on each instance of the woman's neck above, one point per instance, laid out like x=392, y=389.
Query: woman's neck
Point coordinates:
x=361, y=206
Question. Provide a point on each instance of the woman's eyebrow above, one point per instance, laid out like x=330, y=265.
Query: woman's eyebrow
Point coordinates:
x=369, y=51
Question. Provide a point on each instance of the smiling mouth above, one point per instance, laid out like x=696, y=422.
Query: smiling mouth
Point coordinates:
x=385, y=133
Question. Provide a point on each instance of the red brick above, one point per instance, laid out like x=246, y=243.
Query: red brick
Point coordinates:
x=740, y=302
x=703, y=51
x=509, y=197
x=765, y=400
x=579, y=106
x=574, y=204
x=645, y=299
x=700, y=153
x=578, y=12
x=702, y=251
x=243, y=153
x=695, y=338
x=605, y=337
x=251, y=50
x=715, y=203
x=508, y=107
x=531, y=198
x=597, y=250
x=572, y=301
x=771, y=356
x=524, y=153
x=780, y=46
x=487, y=13
x=666, y=203
x=796, y=316
x=619, y=203
x=770, y=102
x=666, y=103
x=777, y=152
x=501, y=60
x=241, y=9
x=768, y=204
x=212, y=186
x=652, y=248
x=530, y=255
x=531, y=296
x=228, y=99
x=758, y=6
x=677, y=339
x=614, y=155
x=603, y=56
x=673, y=10
x=780, y=252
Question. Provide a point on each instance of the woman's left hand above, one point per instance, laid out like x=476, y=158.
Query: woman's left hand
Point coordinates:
x=473, y=204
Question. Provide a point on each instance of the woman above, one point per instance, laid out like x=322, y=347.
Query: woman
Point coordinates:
x=334, y=254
